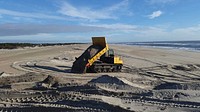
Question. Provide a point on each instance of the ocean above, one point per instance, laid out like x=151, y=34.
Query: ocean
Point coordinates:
x=187, y=45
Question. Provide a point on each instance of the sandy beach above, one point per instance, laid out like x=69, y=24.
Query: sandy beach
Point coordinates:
x=152, y=79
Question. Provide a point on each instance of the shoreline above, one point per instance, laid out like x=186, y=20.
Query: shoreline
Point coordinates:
x=31, y=45
x=161, y=48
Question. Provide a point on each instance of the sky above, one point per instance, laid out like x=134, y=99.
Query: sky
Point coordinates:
x=117, y=20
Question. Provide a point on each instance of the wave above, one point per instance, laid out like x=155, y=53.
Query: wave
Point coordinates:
x=188, y=45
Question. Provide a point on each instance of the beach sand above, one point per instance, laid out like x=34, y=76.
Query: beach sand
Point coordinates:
x=152, y=79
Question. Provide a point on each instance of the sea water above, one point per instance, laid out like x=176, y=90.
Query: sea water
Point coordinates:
x=188, y=45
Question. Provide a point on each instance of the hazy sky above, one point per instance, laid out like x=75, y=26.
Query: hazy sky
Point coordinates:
x=118, y=20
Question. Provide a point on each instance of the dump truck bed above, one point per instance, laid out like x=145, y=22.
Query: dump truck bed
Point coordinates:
x=90, y=55
x=98, y=41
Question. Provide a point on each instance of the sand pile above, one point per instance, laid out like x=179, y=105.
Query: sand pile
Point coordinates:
x=3, y=74
x=27, y=77
x=188, y=67
x=107, y=80
x=50, y=81
x=61, y=57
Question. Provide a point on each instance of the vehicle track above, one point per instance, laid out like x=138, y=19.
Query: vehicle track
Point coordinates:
x=169, y=103
x=60, y=100
x=82, y=93
x=149, y=71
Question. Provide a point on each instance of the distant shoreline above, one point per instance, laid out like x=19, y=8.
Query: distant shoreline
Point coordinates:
x=23, y=45
x=186, y=45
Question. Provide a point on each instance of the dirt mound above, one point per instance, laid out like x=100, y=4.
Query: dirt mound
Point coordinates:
x=188, y=67
x=3, y=74
x=180, y=95
x=108, y=80
x=50, y=80
x=27, y=77
x=61, y=57
x=171, y=95
x=182, y=86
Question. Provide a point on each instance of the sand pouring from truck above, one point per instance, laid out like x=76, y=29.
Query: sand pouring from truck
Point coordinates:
x=97, y=58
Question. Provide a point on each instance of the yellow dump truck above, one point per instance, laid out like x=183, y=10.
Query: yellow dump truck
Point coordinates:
x=97, y=58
